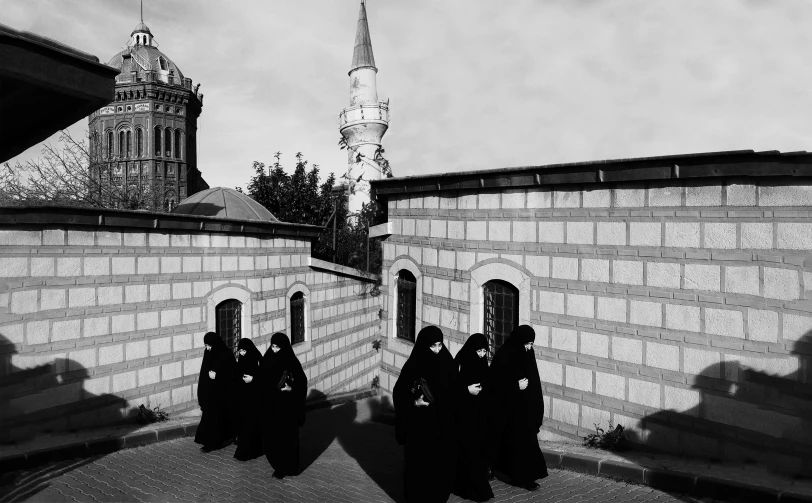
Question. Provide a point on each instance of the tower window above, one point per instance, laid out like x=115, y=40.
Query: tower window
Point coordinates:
x=110, y=147
x=162, y=63
x=177, y=143
x=139, y=142
x=129, y=143
x=407, y=300
x=168, y=142
x=501, y=312
x=156, y=139
x=121, y=143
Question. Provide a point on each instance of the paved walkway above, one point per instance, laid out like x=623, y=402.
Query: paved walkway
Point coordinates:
x=347, y=458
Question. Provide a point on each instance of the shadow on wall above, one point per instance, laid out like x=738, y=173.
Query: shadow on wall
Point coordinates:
x=744, y=414
x=52, y=397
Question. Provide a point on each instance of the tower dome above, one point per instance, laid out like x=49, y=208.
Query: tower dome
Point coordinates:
x=224, y=203
x=141, y=28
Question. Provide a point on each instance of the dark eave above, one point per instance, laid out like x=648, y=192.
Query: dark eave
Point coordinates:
x=745, y=163
x=45, y=86
x=47, y=215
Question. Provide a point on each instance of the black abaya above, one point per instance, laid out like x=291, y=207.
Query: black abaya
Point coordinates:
x=517, y=414
x=249, y=437
x=471, y=413
x=283, y=412
x=215, y=396
x=427, y=433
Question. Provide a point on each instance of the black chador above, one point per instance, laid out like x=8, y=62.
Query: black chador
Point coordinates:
x=518, y=410
x=284, y=387
x=249, y=445
x=473, y=396
x=424, y=408
x=215, y=391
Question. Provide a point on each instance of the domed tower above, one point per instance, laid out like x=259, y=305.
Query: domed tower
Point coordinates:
x=366, y=120
x=145, y=141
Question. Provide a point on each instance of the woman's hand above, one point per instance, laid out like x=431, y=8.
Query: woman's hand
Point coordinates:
x=247, y=378
x=420, y=402
x=523, y=384
x=474, y=389
x=286, y=388
x=212, y=374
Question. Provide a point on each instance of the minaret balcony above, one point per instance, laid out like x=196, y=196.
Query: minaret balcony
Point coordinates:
x=361, y=114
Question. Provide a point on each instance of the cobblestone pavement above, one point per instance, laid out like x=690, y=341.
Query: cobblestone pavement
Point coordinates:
x=346, y=458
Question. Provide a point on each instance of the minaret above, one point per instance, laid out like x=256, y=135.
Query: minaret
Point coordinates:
x=365, y=121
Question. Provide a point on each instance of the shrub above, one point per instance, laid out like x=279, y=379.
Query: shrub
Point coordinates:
x=610, y=440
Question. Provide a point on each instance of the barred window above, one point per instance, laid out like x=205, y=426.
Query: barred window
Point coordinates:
x=501, y=313
x=297, y=318
x=227, y=323
x=407, y=303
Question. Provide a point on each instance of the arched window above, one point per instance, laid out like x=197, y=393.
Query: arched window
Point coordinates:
x=168, y=142
x=297, y=318
x=110, y=148
x=177, y=143
x=407, y=302
x=121, y=143
x=139, y=142
x=501, y=306
x=227, y=322
x=156, y=140
x=129, y=143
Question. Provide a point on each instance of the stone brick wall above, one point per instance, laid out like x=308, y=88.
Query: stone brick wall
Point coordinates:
x=96, y=320
x=679, y=309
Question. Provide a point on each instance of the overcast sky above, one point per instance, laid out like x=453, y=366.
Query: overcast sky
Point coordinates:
x=473, y=84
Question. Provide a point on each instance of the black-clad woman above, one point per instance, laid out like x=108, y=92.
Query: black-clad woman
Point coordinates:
x=215, y=388
x=249, y=438
x=518, y=410
x=424, y=408
x=473, y=393
x=284, y=387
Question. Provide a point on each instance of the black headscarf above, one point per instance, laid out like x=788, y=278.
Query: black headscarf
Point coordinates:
x=512, y=363
x=272, y=367
x=248, y=364
x=218, y=359
x=473, y=369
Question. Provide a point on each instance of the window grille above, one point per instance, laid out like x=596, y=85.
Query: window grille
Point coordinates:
x=227, y=323
x=297, y=318
x=501, y=313
x=407, y=300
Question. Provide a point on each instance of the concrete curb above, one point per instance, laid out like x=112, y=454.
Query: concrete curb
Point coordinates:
x=108, y=445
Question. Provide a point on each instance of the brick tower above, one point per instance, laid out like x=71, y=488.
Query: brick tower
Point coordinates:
x=146, y=140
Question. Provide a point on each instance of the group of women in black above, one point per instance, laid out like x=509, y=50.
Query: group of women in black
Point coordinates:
x=459, y=419
x=259, y=399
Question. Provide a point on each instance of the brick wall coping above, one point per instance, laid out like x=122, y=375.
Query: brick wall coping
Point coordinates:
x=744, y=163
x=344, y=270
x=46, y=215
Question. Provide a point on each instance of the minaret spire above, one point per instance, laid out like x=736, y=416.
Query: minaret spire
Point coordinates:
x=142, y=11
x=362, y=56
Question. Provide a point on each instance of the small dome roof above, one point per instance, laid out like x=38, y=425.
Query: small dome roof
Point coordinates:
x=140, y=28
x=224, y=203
x=148, y=54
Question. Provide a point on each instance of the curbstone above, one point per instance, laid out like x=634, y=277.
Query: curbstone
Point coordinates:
x=735, y=492
x=617, y=469
x=552, y=458
x=171, y=433
x=142, y=438
x=668, y=480
x=579, y=463
x=105, y=445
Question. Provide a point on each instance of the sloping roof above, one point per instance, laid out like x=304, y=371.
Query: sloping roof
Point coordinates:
x=224, y=203
x=362, y=53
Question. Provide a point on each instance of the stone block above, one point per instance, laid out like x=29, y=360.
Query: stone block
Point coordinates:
x=148, y=265
x=456, y=229
x=192, y=366
x=785, y=195
x=53, y=299
x=612, y=309
x=565, y=411
x=182, y=342
x=610, y=385
x=550, y=372
x=763, y=325
x=701, y=362
x=781, y=284
x=627, y=272
x=795, y=236
x=662, y=356
x=489, y=200
x=565, y=268
x=564, y=339
x=98, y=386
x=630, y=195
x=160, y=346
x=724, y=322
x=644, y=393
x=742, y=280
x=441, y=288
x=539, y=198
x=682, y=400
x=95, y=327
x=446, y=259
x=551, y=302
x=82, y=297
x=540, y=265
x=148, y=320
x=69, y=266
x=53, y=237
x=181, y=395
x=581, y=305
x=567, y=199
x=150, y=375
x=702, y=277
x=97, y=266
x=796, y=327
x=524, y=231
x=513, y=198
x=578, y=378
x=212, y=264
x=645, y=234
x=757, y=236
x=111, y=354
x=422, y=228
x=136, y=350
x=431, y=202
x=230, y=262
x=181, y=290
x=24, y=302
x=645, y=313
x=595, y=344
x=739, y=194
x=430, y=257
x=596, y=198
x=580, y=233
x=80, y=238
x=158, y=239
x=15, y=267
x=124, y=381
x=627, y=350
x=704, y=195
x=665, y=196
x=680, y=317
x=123, y=266
x=135, y=293
x=170, y=318
x=171, y=371
x=720, y=235
x=408, y=227
x=42, y=267
x=459, y=291
x=475, y=231
x=498, y=230
x=612, y=233
x=682, y=234
x=596, y=270
x=134, y=239
x=36, y=332
x=551, y=232
x=171, y=265
x=448, y=201
x=65, y=330
x=663, y=274
x=590, y=417
x=123, y=323
x=438, y=229
x=160, y=292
